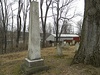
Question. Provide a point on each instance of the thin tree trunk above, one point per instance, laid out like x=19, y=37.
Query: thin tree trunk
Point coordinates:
x=20, y=5
x=25, y=11
x=44, y=20
x=5, y=39
x=57, y=24
x=12, y=31
x=18, y=30
x=44, y=35
x=4, y=25
x=24, y=36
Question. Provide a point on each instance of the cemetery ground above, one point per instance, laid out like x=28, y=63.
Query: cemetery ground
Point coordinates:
x=58, y=65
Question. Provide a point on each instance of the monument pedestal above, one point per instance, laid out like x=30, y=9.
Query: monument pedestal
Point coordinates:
x=33, y=66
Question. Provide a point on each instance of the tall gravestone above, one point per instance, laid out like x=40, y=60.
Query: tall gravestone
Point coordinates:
x=33, y=62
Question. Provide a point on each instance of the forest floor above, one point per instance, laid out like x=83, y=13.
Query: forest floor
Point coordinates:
x=59, y=65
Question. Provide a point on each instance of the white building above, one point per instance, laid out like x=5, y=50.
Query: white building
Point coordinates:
x=63, y=37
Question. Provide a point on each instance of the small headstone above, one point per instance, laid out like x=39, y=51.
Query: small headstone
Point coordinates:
x=65, y=45
x=59, y=50
x=73, y=42
x=52, y=44
x=76, y=46
x=70, y=43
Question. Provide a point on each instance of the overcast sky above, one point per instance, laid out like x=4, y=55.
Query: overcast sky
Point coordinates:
x=79, y=7
x=78, y=4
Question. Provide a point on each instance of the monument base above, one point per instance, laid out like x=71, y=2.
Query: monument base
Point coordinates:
x=33, y=66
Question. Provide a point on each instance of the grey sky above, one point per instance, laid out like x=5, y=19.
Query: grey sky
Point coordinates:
x=79, y=4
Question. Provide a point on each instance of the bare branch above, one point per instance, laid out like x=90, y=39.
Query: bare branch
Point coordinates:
x=66, y=3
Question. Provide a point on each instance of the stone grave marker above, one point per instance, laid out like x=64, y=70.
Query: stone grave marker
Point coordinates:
x=76, y=46
x=34, y=63
x=53, y=45
x=73, y=42
x=65, y=45
x=59, y=50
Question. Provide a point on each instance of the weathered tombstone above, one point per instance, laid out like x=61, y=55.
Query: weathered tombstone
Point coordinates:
x=53, y=45
x=34, y=63
x=65, y=45
x=70, y=43
x=76, y=46
x=73, y=42
x=59, y=50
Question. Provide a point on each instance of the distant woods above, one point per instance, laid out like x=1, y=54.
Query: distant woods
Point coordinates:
x=14, y=16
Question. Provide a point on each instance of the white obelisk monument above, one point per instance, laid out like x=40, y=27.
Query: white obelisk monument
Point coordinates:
x=34, y=62
x=34, y=32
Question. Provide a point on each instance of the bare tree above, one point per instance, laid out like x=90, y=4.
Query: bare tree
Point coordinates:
x=49, y=28
x=12, y=27
x=12, y=24
x=4, y=10
x=25, y=10
x=20, y=5
x=89, y=50
x=79, y=26
x=1, y=34
x=44, y=19
x=66, y=28
x=62, y=8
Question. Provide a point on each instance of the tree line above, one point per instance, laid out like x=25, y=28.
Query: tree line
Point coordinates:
x=11, y=30
x=13, y=26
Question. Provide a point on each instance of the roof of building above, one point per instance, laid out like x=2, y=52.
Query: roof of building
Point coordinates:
x=47, y=35
x=66, y=35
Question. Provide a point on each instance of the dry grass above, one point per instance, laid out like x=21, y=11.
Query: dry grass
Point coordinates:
x=10, y=63
x=59, y=65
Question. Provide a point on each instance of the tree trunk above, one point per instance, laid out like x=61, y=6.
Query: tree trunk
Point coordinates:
x=24, y=29
x=57, y=22
x=5, y=39
x=89, y=50
x=44, y=36
x=12, y=37
x=20, y=5
x=18, y=31
x=48, y=3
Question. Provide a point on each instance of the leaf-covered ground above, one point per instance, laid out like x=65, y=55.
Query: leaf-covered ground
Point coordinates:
x=59, y=65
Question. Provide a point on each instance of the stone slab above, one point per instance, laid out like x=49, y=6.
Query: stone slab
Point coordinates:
x=35, y=63
x=33, y=66
x=77, y=46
